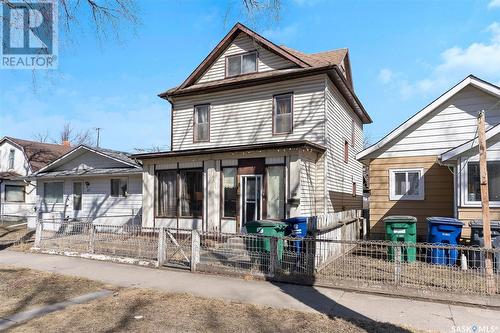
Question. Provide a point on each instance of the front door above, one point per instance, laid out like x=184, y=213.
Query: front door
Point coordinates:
x=77, y=198
x=251, y=198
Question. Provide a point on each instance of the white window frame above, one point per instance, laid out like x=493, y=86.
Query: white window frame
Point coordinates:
x=12, y=159
x=44, y=192
x=241, y=55
x=123, y=180
x=464, y=180
x=14, y=185
x=196, y=123
x=421, y=184
x=275, y=112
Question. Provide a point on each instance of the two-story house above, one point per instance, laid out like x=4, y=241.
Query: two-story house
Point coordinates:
x=258, y=131
x=20, y=158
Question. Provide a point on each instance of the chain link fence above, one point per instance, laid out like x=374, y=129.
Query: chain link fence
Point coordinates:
x=325, y=260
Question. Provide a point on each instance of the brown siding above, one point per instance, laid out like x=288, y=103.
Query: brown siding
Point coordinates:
x=438, y=199
x=468, y=214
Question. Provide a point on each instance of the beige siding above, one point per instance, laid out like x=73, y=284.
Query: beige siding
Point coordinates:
x=243, y=43
x=244, y=116
x=341, y=175
x=451, y=124
x=438, y=199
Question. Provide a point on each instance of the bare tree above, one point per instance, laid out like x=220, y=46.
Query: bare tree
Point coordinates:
x=68, y=134
x=42, y=137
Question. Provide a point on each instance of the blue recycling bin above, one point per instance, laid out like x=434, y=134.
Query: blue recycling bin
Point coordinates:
x=297, y=228
x=443, y=231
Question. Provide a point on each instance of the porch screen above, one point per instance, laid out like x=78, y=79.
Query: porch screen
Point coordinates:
x=275, y=192
x=229, y=182
x=166, y=202
x=191, y=193
x=473, y=180
x=14, y=193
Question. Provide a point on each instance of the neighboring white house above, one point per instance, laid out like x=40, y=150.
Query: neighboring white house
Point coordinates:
x=19, y=158
x=91, y=184
x=259, y=131
x=428, y=166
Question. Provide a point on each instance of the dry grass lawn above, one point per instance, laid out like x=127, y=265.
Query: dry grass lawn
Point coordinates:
x=141, y=310
x=144, y=310
x=22, y=289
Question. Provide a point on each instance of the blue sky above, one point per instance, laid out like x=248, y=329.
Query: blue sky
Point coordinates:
x=403, y=55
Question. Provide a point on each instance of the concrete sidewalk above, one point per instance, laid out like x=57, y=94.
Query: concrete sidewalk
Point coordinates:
x=417, y=314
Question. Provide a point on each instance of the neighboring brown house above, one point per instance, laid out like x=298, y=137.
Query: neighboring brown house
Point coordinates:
x=20, y=158
x=428, y=166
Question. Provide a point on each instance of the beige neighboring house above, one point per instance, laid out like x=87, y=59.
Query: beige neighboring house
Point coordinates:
x=259, y=131
x=18, y=159
x=428, y=166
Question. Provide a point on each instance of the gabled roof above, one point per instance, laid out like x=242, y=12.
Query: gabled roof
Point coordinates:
x=37, y=154
x=469, y=80
x=226, y=41
x=122, y=157
x=466, y=146
x=300, y=59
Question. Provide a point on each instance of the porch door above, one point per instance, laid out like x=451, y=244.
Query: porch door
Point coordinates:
x=77, y=198
x=251, y=198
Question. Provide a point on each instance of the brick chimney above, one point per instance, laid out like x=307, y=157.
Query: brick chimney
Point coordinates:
x=66, y=143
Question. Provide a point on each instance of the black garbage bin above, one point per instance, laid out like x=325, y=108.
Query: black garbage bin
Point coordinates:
x=476, y=258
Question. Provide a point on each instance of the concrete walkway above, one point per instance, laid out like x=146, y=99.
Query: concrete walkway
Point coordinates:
x=417, y=314
x=24, y=316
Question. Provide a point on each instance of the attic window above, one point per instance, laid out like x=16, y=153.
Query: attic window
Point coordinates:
x=241, y=64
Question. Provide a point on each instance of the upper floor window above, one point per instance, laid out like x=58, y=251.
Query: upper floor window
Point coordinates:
x=201, y=131
x=12, y=154
x=283, y=114
x=353, y=132
x=406, y=184
x=241, y=64
x=346, y=151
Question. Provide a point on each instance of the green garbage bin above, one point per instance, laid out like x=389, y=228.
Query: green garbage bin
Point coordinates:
x=401, y=229
x=265, y=228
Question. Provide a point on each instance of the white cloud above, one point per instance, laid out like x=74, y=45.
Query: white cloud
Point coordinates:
x=385, y=75
x=494, y=4
x=282, y=35
x=480, y=58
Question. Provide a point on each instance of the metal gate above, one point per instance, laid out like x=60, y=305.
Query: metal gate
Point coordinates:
x=177, y=247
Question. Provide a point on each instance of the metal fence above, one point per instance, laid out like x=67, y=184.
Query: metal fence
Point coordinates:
x=357, y=263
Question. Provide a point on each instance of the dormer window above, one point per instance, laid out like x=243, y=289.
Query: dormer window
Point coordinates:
x=241, y=64
x=12, y=154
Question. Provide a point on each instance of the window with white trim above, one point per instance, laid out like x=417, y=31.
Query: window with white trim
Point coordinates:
x=53, y=192
x=202, y=123
x=14, y=193
x=473, y=181
x=283, y=114
x=406, y=184
x=12, y=154
x=241, y=64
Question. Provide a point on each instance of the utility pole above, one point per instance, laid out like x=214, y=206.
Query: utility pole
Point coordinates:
x=485, y=203
x=98, y=130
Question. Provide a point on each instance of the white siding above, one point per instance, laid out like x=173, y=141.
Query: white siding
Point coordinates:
x=307, y=187
x=90, y=160
x=451, y=124
x=339, y=117
x=96, y=200
x=244, y=116
x=243, y=43
x=21, y=167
